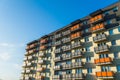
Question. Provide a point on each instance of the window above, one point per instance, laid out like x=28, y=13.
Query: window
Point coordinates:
x=113, y=42
x=78, y=60
x=118, y=68
x=78, y=71
x=119, y=28
x=106, y=13
x=111, y=32
x=108, y=21
x=87, y=48
x=116, y=55
x=88, y=59
x=86, y=39
x=105, y=68
x=115, y=9
x=103, y=55
x=89, y=70
x=86, y=30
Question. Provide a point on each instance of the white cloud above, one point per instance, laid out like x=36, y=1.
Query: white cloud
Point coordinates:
x=5, y=56
x=6, y=45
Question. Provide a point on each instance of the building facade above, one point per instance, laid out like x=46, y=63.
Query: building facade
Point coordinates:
x=86, y=49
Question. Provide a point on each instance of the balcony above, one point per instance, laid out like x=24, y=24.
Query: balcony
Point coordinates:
x=98, y=27
x=41, y=61
x=58, y=50
x=25, y=58
x=28, y=71
x=88, y=54
x=90, y=77
x=41, y=69
x=40, y=77
x=24, y=65
x=66, y=40
x=66, y=48
x=78, y=76
x=30, y=57
x=75, y=27
x=76, y=45
x=67, y=76
x=43, y=47
x=107, y=74
x=66, y=33
x=57, y=59
x=96, y=18
x=100, y=38
x=101, y=49
x=116, y=61
x=117, y=76
x=43, y=41
x=31, y=46
x=66, y=56
x=103, y=61
x=66, y=66
x=41, y=54
x=57, y=36
x=57, y=77
x=89, y=65
x=77, y=64
x=75, y=35
x=77, y=54
x=57, y=67
x=29, y=64
x=23, y=72
x=57, y=43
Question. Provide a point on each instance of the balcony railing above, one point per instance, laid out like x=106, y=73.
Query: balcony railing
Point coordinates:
x=75, y=27
x=96, y=18
x=28, y=71
x=41, y=54
x=57, y=59
x=65, y=40
x=41, y=61
x=77, y=54
x=25, y=58
x=99, y=38
x=76, y=35
x=23, y=72
x=98, y=27
x=41, y=69
x=57, y=43
x=57, y=36
x=30, y=57
x=76, y=44
x=29, y=64
x=105, y=74
x=78, y=76
x=43, y=47
x=67, y=76
x=101, y=49
x=42, y=41
x=56, y=77
x=57, y=67
x=66, y=66
x=58, y=50
x=77, y=64
x=90, y=77
x=66, y=48
x=66, y=56
x=103, y=61
x=66, y=33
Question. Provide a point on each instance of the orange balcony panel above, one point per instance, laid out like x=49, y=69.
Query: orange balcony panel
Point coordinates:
x=75, y=27
x=42, y=47
x=108, y=59
x=110, y=73
x=96, y=18
x=99, y=16
x=102, y=60
x=43, y=40
x=104, y=74
x=98, y=74
x=97, y=61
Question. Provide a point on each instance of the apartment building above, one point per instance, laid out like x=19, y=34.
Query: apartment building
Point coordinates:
x=86, y=49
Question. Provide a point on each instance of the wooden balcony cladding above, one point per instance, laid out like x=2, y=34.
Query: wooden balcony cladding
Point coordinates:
x=31, y=46
x=43, y=47
x=103, y=61
x=75, y=27
x=76, y=35
x=96, y=18
x=105, y=74
x=42, y=41
x=98, y=27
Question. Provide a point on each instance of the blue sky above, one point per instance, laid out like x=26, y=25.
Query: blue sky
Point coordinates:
x=22, y=21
